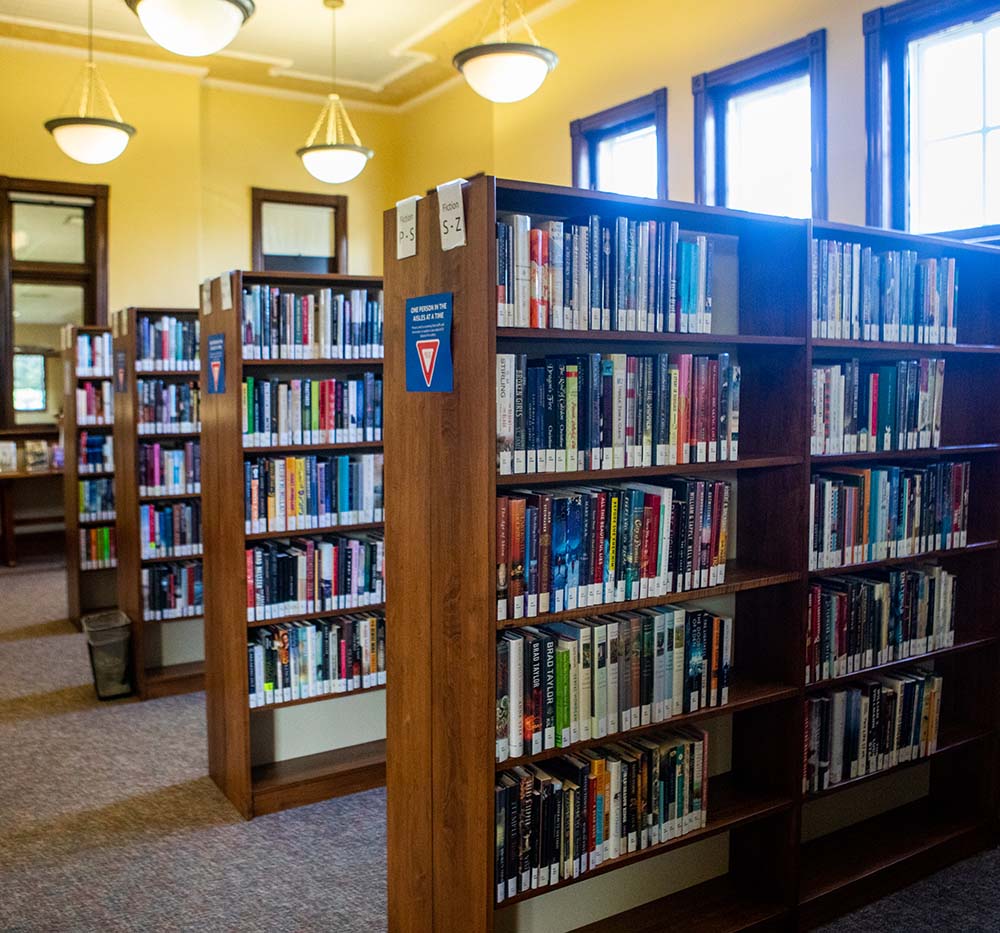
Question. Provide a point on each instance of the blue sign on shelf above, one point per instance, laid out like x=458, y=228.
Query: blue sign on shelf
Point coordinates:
x=428, y=343
x=216, y=364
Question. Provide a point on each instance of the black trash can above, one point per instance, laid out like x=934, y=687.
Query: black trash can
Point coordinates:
x=109, y=636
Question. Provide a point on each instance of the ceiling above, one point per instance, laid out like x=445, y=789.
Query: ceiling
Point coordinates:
x=388, y=51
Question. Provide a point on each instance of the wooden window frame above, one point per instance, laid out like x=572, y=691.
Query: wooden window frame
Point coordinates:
x=91, y=274
x=338, y=202
x=587, y=132
x=712, y=90
x=888, y=30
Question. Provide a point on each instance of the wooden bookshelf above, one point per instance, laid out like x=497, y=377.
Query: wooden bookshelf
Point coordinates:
x=152, y=645
x=87, y=589
x=442, y=480
x=234, y=728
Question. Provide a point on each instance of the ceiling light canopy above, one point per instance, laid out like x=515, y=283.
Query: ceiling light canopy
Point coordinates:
x=333, y=152
x=505, y=71
x=192, y=27
x=95, y=133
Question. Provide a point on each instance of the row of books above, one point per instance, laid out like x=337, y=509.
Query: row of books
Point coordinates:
x=570, y=815
x=611, y=411
x=570, y=682
x=312, y=411
x=299, y=660
x=282, y=324
x=170, y=529
x=95, y=453
x=167, y=405
x=167, y=343
x=95, y=402
x=878, y=724
x=98, y=550
x=94, y=355
x=300, y=493
x=858, y=294
x=859, y=408
x=858, y=622
x=172, y=591
x=316, y=574
x=619, y=275
x=32, y=456
x=96, y=499
x=562, y=549
x=882, y=512
x=169, y=469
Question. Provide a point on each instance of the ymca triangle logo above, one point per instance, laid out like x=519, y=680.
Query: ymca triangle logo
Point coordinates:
x=427, y=350
x=216, y=367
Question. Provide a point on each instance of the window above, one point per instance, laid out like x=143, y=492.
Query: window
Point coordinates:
x=295, y=231
x=932, y=115
x=29, y=382
x=623, y=149
x=54, y=270
x=760, y=131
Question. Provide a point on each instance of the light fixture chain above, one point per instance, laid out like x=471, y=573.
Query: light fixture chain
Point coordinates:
x=90, y=32
x=527, y=25
x=107, y=96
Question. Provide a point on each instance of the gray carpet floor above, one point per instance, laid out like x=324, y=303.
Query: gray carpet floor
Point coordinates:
x=108, y=821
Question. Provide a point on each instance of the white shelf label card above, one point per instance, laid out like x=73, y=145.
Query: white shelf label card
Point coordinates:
x=406, y=227
x=451, y=210
x=206, y=297
x=226, y=288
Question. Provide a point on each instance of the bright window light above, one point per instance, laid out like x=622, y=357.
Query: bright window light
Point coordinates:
x=29, y=382
x=954, y=158
x=768, y=149
x=626, y=163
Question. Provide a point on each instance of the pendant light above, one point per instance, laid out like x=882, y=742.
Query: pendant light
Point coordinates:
x=192, y=27
x=89, y=137
x=506, y=71
x=333, y=152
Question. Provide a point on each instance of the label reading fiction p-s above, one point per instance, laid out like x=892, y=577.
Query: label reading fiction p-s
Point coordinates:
x=428, y=343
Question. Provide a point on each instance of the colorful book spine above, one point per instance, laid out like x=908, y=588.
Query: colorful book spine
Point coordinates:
x=167, y=343
x=98, y=550
x=172, y=591
x=170, y=529
x=167, y=406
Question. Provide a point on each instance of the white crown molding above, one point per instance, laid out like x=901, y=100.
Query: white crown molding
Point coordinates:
x=281, y=93
x=54, y=48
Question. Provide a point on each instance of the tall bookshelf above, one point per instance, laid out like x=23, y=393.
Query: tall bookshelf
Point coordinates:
x=89, y=586
x=167, y=654
x=770, y=855
x=299, y=751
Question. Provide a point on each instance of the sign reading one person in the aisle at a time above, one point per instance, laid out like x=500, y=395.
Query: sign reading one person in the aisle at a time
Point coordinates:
x=428, y=343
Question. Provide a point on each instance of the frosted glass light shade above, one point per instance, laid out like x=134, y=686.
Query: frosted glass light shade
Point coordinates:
x=335, y=163
x=504, y=72
x=90, y=139
x=192, y=27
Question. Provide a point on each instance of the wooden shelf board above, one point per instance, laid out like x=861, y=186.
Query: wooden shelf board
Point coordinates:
x=29, y=474
x=170, y=495
x=299, y=781
x=174, y=679
x=313, y=279
x=187, y=618
x=921, y=349
x=894, y=561
x=156, y=373
x=328, y=529
x=716, y=906
x=161, y=435
x=729, y=806
x=347, y=364
x=742, y=696
x=844, y=858
x=330, y=613
x=80, y=378
x=927, y=453
x=326, y=696
x=970, y=642
x=170, y=559
x=591, y=336
x=304, y=449
x=739, y=577
x=97, y=569
x=96, y=474
x=96, y=521
x=949, y=740
x=635, y=473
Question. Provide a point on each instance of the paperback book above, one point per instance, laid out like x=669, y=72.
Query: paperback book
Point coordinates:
x=172, y=591
x=167, y=405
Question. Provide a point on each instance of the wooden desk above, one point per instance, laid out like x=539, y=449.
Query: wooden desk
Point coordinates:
x=7, y=481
